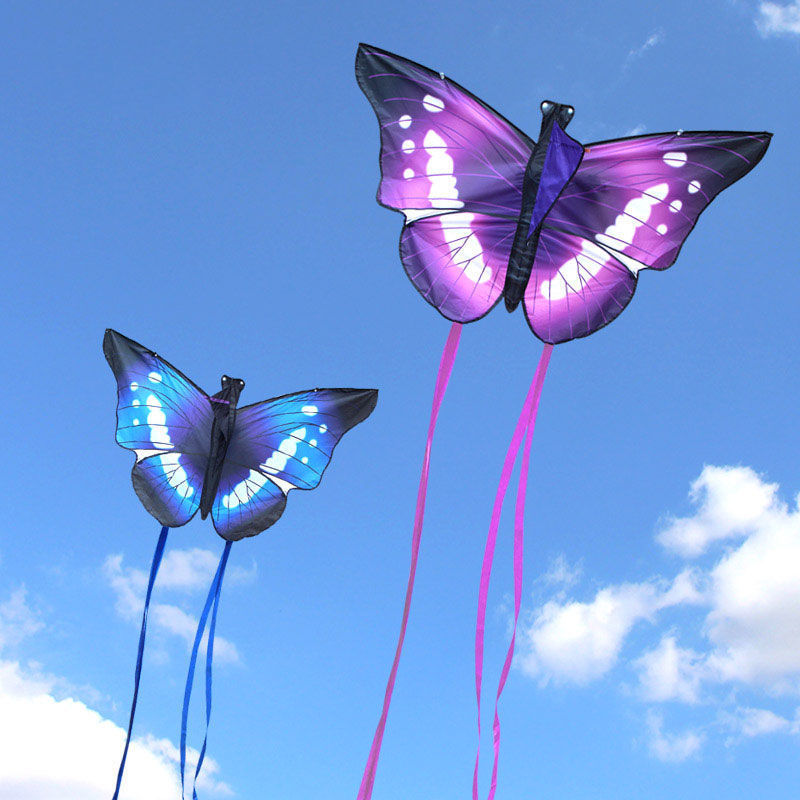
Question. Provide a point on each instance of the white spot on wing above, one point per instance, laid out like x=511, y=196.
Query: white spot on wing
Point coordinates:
x=675, y=206
x=408, y=173
x=662, y=229
x=309, y=411
x=155, y=377
x=694, y=187
x=408, y=147
x=675, y=159
x=432, y=104
x=404, y=121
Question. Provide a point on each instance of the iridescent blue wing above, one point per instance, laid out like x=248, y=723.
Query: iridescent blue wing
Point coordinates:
x=166, y=420
x=278, y=445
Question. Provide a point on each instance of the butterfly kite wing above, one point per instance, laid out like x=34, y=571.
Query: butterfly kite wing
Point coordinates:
x=454, y=167
x=278, y=445
x=166, y=420
x=629, y=206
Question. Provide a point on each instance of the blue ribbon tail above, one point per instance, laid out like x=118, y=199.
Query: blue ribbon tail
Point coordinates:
x=162, y=540
x=211, y=600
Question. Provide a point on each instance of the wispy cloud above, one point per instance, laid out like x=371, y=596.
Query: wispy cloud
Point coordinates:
x=671, y=747
x=775, y=19
x=183, y=573
x=742, y=605
x=636, y=130
x=635, y=53
x=18, y=620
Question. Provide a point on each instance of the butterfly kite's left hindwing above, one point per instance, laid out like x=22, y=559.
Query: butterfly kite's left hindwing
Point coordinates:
x=166, y=420
x=278, y=445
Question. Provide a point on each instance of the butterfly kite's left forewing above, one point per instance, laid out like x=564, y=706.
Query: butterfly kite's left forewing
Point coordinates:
x=166, y=420
x=278, y=445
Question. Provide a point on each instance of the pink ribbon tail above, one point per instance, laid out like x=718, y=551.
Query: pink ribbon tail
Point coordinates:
x=442, y=379
x=524, y=428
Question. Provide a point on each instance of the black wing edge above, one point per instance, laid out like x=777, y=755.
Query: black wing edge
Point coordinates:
x=682, y=132
x=116, y=343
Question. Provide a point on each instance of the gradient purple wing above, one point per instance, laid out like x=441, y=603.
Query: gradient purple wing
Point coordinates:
x=278, y=445
x=442, y=148
x=458, y=261
x=166, y=420
x=576, y=287
x=639, y=198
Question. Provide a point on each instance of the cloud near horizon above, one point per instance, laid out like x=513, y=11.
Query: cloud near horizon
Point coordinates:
x=55, y=745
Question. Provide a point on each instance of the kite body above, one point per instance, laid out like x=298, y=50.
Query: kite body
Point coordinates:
x=223, y=405
x=553, y=162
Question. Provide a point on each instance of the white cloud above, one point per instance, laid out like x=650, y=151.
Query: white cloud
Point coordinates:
x=734, y=500
x=652, y=40
x=62, y=748
x=754, y=622
x=185, y=571
x=57, y=746
x=672, y=747
x=577, y=642
x=748, y=723
x=740, y=611
x=670, y=672
x=775, y=18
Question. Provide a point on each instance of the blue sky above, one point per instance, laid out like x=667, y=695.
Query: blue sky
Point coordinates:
x=202, y=178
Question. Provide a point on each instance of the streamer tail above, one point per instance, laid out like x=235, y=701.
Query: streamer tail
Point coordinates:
x=156, y=563
x=211, y=606
x=523, y=430
x=442, y=379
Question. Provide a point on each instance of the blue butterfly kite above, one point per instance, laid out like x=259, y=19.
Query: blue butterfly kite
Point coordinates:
x=196, y=452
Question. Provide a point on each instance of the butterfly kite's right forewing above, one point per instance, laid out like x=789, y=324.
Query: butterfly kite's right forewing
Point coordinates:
x=454, y=167
x=166, y=420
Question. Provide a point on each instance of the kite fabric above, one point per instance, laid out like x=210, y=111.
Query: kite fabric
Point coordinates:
x=559, y=227
x=196, y=452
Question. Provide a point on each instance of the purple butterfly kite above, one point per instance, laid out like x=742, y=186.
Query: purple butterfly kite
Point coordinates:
x=559, y=227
